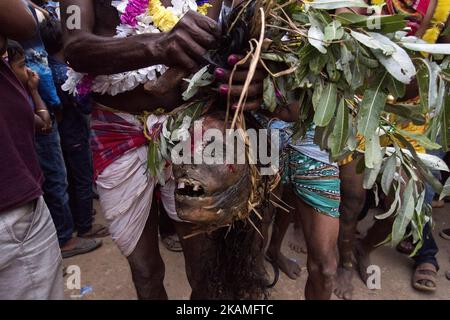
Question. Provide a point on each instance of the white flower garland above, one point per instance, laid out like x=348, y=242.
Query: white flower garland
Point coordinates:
x=127, y=81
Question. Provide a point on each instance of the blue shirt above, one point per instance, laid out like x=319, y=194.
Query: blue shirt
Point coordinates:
x=36, y=59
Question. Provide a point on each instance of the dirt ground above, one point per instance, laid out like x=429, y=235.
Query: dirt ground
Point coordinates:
x=105, y=273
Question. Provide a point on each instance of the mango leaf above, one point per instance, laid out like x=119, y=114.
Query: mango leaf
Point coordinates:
x=445, y=190
x=373, y=43
x=269, y=96
x=306, y=53
x=393, y=206
x=440, y=48
x=370, y=176
x=326, y=106
x=398, y=63
x=396, y=88
x=422, y=139
x=382, y=24
x=343, y=63
x=336, y=4
x=445, y=123
x=371, y=107
x=373, y=156
x=316, y=36
x=422, y=77
x=350, y=18
x=340, y=131
x=404, y=215
x=333, y=31
x=390, y=167
x=200, y=79
x=317, y=63
x=358, y=73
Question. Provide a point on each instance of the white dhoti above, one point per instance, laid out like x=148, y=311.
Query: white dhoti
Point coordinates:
x=126, y=193
x=125, y=186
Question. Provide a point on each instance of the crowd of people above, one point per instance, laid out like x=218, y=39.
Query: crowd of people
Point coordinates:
x=63, y=146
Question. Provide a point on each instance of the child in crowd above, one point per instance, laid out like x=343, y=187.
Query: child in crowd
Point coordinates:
x=30, y=80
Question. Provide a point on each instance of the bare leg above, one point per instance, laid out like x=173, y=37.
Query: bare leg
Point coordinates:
x=297, y=242
x=353, y=197
x=321, y=234
x=363, y=248
x=147, y=266
x=280, y=226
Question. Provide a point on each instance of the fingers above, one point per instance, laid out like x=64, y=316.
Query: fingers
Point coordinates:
x=251, y=105
x=205, y=23
x=239, y=76
x=254, y=89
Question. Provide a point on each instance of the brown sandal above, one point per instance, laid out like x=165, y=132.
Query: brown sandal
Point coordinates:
x=424, y=274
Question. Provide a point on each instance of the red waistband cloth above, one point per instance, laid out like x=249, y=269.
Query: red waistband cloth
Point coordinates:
x=111, y=137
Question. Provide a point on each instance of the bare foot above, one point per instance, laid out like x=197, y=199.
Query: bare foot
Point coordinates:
x=297, y=241
x=343, y=283
x=363, y=259
x=289, y=266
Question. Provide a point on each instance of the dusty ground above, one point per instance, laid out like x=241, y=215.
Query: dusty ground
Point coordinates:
x=106, y=271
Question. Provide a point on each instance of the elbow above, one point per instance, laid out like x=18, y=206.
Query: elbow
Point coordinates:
x=75, y=56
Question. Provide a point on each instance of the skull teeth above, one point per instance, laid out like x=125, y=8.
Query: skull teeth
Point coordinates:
x=181, y=185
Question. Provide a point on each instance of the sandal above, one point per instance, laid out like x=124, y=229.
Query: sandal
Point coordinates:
x=172, y=243
x=424, y=275
x=97, y=231
x=82, y=246
x=445, y=234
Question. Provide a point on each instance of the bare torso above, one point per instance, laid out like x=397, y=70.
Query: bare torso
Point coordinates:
x=106, y=21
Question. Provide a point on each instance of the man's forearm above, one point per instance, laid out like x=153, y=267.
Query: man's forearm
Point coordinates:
x=105, y=55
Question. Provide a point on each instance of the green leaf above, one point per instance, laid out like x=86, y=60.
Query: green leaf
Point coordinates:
x=358, y=73
x=306, y=53
x=422, y=139
x=404, y=215
x=387, y=24
x=373, y=156
x=316, y=36
x=398, y=63
x=370, y=41
x=333, y=31
x=326, y=106
x=350, y=18
x=438, y=48
x=371, y=107
x=200, y=79
x=336, y=4
x=390, y=167
x=270, y=98
x=423, y=83
x=445, y=190
x=343, y=63
x=370, y=176
x=340, y=131
x=396, y=88
x=445, y=123
x=393, y=206
x=333, y=72
x=317, y=63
